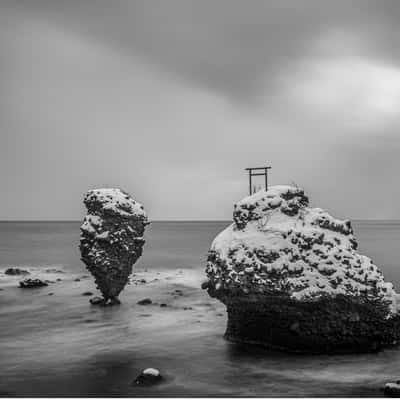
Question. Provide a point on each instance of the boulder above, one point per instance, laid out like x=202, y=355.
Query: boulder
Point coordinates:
x=32, y=283
x=149, y=376
x=291, y=279
x=111, y=239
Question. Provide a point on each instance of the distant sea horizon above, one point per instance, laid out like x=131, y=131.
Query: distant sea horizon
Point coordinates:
x=182, y=220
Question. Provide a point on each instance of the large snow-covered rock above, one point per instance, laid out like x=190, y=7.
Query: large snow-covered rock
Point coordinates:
x=291, y=278
x=111, y=239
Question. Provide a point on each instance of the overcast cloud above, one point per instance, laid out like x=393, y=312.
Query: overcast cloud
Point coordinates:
x=171, y=100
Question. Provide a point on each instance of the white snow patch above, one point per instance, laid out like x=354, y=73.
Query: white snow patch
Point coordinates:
x=151, y=371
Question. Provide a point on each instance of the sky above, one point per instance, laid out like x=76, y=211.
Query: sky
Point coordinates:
x=170, y=100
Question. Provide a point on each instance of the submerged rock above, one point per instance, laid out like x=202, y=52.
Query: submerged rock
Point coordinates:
x=111, y=239
x=291, y=279
x=32, y=283
x=145, y=302
x=96, y=300
x=149, y=376
x=16, y=271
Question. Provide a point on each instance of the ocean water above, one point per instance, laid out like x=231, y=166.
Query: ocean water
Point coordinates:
x=52, y=342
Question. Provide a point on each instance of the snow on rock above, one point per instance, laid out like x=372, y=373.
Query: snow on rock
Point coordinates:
x=279, y=246
x=278, y=243
x=111, y=238
x=151, y=371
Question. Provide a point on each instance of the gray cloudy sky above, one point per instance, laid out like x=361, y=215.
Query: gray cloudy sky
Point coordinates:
x=171, y=100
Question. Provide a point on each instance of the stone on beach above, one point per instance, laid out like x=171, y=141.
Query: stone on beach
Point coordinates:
x=111, y=239
x=291, y=279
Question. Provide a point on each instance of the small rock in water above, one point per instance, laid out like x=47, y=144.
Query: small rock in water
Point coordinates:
x=163, y=305
x=50, y=294
x=204, y=284
x=102, y=302
x=77, y=280
x=16, y=271
x=392, y=389
x=96, y=300
x=54, y=271
x=87, y=294
x=149, y=376
x=144, y=302
x=32, y=283
x=58, y=279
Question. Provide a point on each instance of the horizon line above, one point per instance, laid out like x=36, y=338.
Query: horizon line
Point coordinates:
x=169, y=220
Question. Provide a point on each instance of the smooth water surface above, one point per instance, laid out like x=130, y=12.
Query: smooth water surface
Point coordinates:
x=52, y=342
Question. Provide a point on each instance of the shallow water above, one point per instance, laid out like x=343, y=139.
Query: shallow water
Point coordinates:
x=60, y=345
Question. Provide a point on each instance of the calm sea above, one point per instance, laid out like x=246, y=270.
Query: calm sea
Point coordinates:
x=58, y=345
x=168, y=244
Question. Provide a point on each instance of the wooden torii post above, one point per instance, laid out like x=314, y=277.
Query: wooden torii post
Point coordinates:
x=264, y=173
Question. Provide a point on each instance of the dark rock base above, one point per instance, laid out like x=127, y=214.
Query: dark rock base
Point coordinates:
x=340, y=325
x=99, y=301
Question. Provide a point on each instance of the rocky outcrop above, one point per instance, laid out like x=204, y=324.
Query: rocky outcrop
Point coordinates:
x=111, y=239
x=291, y=279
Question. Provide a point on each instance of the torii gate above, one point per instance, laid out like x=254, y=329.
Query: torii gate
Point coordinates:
x=264, y=173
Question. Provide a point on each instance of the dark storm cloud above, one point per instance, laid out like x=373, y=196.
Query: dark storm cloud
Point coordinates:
x=231, y=46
